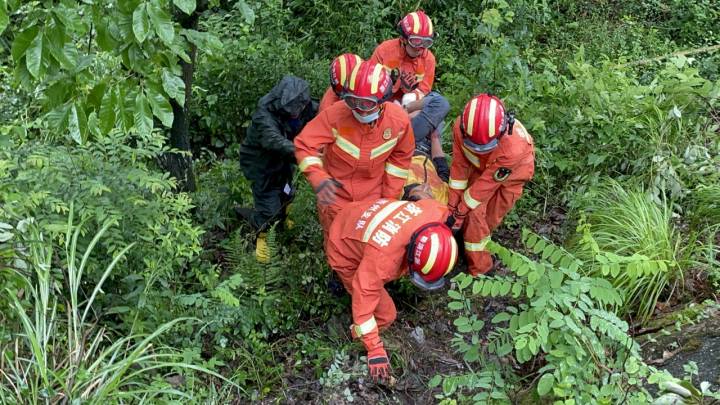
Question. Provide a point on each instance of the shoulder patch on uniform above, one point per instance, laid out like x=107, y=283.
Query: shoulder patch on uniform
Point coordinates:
x=502, y=174
x=387, y=134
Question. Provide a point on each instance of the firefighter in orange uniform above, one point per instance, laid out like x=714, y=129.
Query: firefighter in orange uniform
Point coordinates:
x=412, y=66
x=374, y=242
x=493, y=158
x=357, y=150
x=340, y=70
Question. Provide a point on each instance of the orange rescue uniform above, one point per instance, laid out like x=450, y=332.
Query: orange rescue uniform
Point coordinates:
x=485, y=188
x=328, y=99
x=367, y=248
x=371, y=161
x=419, y=70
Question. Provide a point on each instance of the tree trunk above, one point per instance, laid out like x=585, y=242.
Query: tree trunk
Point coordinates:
x=180, y=165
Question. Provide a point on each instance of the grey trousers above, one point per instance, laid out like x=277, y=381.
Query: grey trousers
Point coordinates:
x=434, y=111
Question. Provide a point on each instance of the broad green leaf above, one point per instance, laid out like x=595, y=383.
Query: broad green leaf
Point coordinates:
x=454, y=295
x=463, y=320
x=455, y=305
x=531, y=240
x=107, y=111
x=4, y=19
x=477, y=287
x=246, y=11
x=141, y=24
x=187, y=6
x=631, y=366
x=465, y=282
x=22, y=42
x=556, y=278
x=173, y=86
x=74, y=125
x=62, y=50
x=93, y=125
x=545, y=384
x=557, y=323
x=143, y=116
x=487, y=288
x=160, y=106
x=501, y=317
x=548, y=251
x=203, y=40
x=539, y=246
x=104, y=38
x=435, y=381
x=33, y=55
x=161, y=22
x=517, y=289
x=505, y=288
x=57, y=118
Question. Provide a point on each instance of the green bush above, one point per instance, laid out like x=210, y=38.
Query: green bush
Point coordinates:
x=555, y=314
x=256, y=55
x=108, y=180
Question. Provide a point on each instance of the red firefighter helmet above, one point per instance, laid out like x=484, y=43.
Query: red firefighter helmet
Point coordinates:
x=367, y=87
x=432, y=253
x=417, y=29
x=483, y=122
x=341, y=69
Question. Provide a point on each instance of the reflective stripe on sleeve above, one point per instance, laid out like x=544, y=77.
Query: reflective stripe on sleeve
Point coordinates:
x=458, y=184
x=396, y=171
x=309, y=161
x=365, y=327
x=471, y=202
x=477, y=246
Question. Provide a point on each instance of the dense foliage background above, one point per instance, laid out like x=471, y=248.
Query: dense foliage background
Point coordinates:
x=125, y=275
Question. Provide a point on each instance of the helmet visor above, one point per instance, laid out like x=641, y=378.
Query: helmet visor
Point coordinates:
x=361, y=103
x=420, y=42
x=481, y=149
x=424, y=285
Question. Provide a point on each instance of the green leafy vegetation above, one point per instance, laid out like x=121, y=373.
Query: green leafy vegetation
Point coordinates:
x=127, y=277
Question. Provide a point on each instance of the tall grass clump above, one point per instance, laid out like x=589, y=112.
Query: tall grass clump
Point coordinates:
x=59, y=352
x=634, y=244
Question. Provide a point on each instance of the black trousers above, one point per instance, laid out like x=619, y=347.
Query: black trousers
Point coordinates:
x=271, y=195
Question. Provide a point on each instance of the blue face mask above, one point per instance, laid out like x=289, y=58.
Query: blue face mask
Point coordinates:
x=366, y=119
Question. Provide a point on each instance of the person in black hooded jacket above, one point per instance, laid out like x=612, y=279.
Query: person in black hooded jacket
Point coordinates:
x=267, y=154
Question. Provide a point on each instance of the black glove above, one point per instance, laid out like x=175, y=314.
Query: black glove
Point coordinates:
x=450, y=221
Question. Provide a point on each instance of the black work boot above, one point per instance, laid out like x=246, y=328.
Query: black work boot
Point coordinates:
x=244, y=213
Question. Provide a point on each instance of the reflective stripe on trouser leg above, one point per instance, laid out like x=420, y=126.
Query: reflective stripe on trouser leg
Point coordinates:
x=476, y=236
x=365, y=327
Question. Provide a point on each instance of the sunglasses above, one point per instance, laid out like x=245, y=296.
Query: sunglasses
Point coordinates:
x=360, y=103
x=420, y=42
